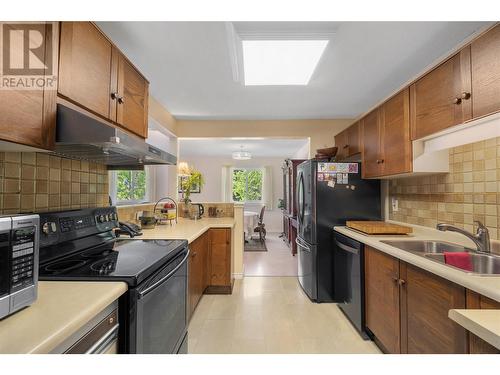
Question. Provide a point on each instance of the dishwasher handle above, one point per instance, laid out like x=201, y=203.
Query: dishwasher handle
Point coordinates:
x=347, y=248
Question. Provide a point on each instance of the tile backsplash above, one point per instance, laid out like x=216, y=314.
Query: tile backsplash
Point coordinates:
x=38, y=182
x=470, y=191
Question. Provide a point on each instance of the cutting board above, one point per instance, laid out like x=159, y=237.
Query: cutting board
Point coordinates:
x=378, y=227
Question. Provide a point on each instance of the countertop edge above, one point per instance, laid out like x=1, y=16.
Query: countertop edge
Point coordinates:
x=463, y=318
x=472, y=282
x=58, y=337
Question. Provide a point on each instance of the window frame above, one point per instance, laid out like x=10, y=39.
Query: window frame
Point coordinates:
x=262, y=171
x=150, y=184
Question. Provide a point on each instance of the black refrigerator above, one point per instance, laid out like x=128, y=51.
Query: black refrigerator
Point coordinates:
x=328, y=194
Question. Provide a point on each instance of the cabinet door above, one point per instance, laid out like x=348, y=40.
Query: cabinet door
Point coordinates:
x=396, y=142
x=441, y=98
x=132, y=107
x=426, y=300
x=220, y=257
x=194, y=275
x=353, y=139
x=476, y=344
x=85, y=67
x=382, y=298
x=28, y=117
x=342, y=146
x=372, y=159
x=485, y=62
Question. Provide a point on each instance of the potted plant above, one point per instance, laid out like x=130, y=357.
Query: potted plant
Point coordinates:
x=189, y=184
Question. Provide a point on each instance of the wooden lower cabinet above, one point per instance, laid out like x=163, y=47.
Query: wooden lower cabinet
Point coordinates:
x=407, y=307
x=209, y=266
x=426, y=300
x=476, y=344
x=382, y=299
x=198, y=256
x=220, y=279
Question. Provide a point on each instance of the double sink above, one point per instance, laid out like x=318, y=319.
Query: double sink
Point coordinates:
x=482, y=263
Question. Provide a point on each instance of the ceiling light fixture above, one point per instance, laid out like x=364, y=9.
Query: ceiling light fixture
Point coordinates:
x=281, y=62
x=242, y=155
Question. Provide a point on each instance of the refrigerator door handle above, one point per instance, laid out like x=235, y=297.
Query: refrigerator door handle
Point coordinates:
x=302, y=245
x=347, y=248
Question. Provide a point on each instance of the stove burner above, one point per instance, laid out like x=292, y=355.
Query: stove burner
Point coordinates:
x=65, y=265
x=97, y=253
x=103, y=267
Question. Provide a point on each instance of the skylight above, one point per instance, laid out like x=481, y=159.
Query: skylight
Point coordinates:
x=281, y=62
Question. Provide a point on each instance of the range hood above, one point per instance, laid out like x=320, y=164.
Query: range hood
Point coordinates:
x=83, y=137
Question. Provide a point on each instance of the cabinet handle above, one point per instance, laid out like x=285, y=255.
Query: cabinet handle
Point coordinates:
x=380, y=161
x=194, y=254
x=346, y=146
x=114, y=95
x=465, y=95
x=395, y=279
x=457, y=101
x=401, y=282
x=121, y=99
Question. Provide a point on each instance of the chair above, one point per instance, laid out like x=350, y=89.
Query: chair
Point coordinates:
x=261, y=227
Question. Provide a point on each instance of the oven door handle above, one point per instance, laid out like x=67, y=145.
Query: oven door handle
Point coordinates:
x=347, y=248
x=163, y=279
x=102, y=344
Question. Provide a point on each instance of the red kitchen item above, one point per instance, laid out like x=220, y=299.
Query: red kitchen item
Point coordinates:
x=461, y=260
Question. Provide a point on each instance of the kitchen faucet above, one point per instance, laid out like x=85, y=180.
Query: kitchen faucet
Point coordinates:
x=481, y=238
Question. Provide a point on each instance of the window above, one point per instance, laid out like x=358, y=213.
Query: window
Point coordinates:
x=246, y=184
x=130, y=186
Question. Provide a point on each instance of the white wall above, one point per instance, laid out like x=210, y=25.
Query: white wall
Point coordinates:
x=211, y=169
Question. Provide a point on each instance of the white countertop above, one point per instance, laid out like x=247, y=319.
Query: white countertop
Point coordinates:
x=186, y=229
x=488, y=286
x=483, y=323
x=62, y=308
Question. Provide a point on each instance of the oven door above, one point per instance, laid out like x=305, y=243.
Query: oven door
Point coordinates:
x=161, y=309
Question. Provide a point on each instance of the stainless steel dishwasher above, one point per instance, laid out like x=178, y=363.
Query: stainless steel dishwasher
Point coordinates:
x=349, y=280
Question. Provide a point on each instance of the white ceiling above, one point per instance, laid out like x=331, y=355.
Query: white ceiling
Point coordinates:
x=189, y=66
x=223, y=147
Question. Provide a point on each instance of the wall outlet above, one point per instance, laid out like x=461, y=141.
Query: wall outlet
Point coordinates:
x=395, y=204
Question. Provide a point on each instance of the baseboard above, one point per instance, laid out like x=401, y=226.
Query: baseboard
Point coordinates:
x=219, y=289
x=238, y=276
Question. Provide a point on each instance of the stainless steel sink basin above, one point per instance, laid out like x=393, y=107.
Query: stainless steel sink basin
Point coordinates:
x=483, y=264
x=427, y=247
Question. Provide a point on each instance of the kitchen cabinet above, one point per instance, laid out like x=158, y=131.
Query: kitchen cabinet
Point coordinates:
x=96, y=76
x=197, y=271
x=386, y=145
x=476, y=344
x=441, y=98
x=348, y=141
x=407, y=307
x=372, y=150
x=485, y=65
x=28, y=117
x=396, y=146
x=132, y=103
x=85, y=67
x=220, y=278
x=382, y=299
x=425, y=302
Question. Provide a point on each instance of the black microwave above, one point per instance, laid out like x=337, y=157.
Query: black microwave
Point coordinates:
x=19, y=243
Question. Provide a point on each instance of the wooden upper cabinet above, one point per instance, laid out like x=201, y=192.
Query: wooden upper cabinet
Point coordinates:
x=85, y=67
x=382, y=298
x=341, y=144
x=485, y=64
x=371, y=144
x=426, y=300
x=28, y=117
x=132, y=101
x=353, y=139
x=348, y=141
x=395, y=134
x=441, y=98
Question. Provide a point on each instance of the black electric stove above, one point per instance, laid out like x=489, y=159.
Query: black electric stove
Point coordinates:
x=80, y=245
